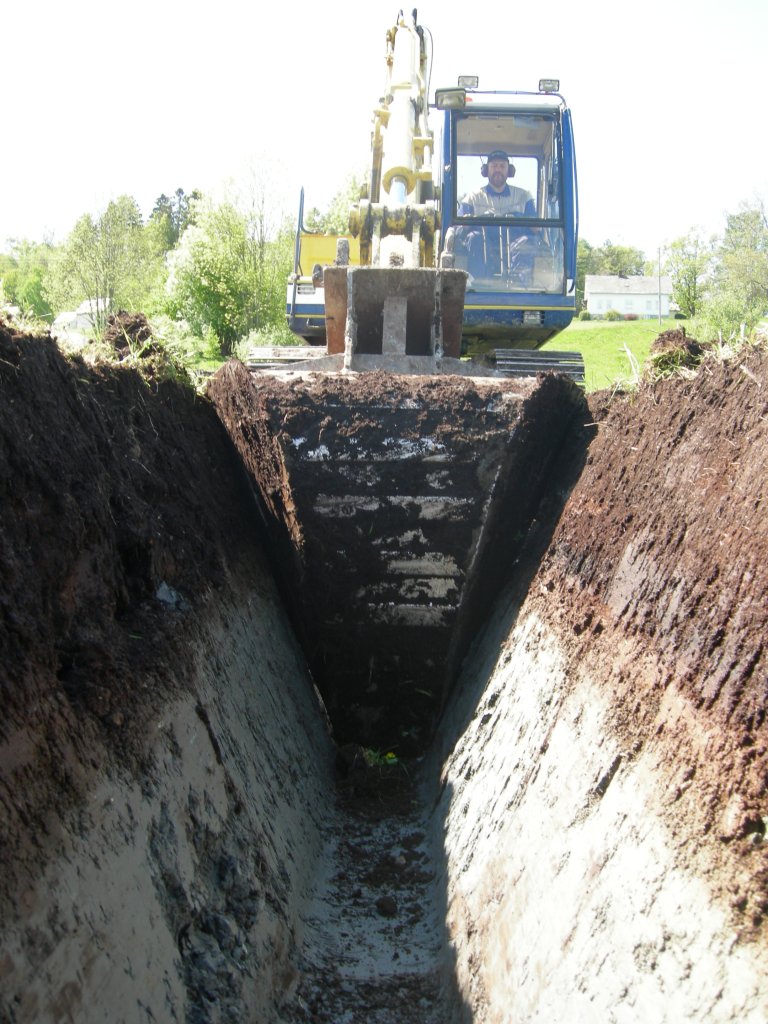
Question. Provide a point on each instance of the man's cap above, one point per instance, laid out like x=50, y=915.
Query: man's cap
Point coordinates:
x=498, y=154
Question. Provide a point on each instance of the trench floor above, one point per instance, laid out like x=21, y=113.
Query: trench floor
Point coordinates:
x=374, y=947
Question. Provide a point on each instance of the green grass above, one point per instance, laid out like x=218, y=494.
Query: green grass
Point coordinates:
x=602, y=344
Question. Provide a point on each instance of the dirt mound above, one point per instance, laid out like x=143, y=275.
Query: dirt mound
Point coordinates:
x=130, y=334
x=674, y=350
x=672, y=339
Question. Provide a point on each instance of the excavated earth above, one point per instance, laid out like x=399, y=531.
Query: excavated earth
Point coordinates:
x=584, y=837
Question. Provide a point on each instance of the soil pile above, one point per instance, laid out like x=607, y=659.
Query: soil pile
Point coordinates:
x=130, y=334
x=604, y=765
x=665, y=544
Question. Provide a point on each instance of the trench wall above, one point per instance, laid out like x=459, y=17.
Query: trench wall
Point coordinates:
x=177, y=895
x=571, y=895
x=601, y=774
x=164, y=764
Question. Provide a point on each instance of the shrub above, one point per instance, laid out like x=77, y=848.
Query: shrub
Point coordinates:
x=630, y=316
x=613, y=314
x=585, y=315
x=721, y=318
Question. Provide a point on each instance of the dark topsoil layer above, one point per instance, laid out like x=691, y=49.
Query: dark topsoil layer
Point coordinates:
x=124, y=507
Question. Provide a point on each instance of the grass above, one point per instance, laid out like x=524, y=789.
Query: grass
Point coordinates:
x=602, y=344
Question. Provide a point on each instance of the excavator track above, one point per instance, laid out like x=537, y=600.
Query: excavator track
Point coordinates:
x=522, y=362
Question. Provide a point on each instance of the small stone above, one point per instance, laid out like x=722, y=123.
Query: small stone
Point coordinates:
x=386, y=906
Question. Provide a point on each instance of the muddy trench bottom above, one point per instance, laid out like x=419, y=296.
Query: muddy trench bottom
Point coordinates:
x=375, y=944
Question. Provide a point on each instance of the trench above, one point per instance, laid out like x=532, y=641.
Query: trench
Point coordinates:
x=379, y=943
x=477, y=481
x=577, y=835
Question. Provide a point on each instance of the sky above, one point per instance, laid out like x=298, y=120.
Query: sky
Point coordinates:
x=104, y=99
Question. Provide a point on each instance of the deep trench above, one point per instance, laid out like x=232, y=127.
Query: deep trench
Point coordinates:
x=394, y=932
x=377, y=945
x=578, y=835
x=374, y=942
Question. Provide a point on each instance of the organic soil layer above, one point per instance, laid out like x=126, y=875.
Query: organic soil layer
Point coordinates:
x=182, y=841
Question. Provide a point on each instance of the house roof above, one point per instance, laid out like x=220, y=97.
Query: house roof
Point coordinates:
x=615, y=285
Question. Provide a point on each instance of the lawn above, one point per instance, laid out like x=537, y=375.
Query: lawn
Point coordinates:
x=603, y=345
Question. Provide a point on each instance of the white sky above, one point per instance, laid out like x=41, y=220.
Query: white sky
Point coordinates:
x=101, y=99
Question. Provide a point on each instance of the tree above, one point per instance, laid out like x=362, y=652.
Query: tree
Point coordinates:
x=175, y=214
x=619, y=260
x=23, y=272
x=335, y=221
x=609, y=259
x=230, y=269
x=689, y=263
x=738, y=292
x=111, y=261
x=586, y=263
x=743, y=256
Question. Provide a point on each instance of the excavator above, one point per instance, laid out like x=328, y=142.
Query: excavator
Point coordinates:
x=397, y=479
x=430, y=205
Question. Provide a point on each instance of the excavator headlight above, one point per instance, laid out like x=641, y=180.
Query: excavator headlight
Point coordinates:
x=450, y=99
x=549, y=85
x=468, y=81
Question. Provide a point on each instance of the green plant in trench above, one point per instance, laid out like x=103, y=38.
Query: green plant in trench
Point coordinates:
x=375, y=758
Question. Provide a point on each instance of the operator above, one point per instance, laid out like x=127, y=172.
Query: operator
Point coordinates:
x=495, y=251
x=497, y=198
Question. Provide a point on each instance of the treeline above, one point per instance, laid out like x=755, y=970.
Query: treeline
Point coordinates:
x=720, y=281
x=220, y=268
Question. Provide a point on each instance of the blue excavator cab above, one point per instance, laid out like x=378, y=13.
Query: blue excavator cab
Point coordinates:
x=509, y=212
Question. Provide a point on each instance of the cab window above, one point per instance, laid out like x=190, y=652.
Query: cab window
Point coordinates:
x=529, y=139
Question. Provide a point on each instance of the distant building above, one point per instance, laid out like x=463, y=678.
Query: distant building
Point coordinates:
x=76, y=325
x=631, y=296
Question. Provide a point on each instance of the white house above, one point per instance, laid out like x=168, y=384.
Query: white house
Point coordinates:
x=631, y=296
x=76, y=325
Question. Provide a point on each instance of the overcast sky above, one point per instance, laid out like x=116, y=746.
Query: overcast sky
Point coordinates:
x=101, y=99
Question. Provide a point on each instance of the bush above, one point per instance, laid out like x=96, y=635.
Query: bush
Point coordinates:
x=585, y=315
x=630, y=316
x=613, y=314
x=721, y=318
x=189, y=348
